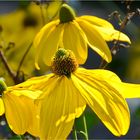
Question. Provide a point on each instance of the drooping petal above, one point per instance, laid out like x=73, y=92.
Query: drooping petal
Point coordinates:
x=59, y=109
x=95, y=40
x=17, y=114
x=53, y=40
x=2, y=109
x=43, y=33
x=34, y=127
x=110, y=34
x=128, y=90
x=97, y=21
x=106, y=29
x=105, y=101
x=35, y=85
x=74, y=39
x=40, y=40
x=105, y=74
x=22, y=91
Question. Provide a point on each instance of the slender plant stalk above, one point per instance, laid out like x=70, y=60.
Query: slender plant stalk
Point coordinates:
x=23, y=58
x=14, y=75
x=85, y=127
x=75, y=133
x=42, y=15
x=124, y=22
x=7, y=66
x=20, y=137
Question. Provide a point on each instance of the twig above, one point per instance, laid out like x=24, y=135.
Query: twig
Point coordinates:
x=10, y=71
x=122, y=26
x=22, y=60
x=42, y=15
x=116, y=45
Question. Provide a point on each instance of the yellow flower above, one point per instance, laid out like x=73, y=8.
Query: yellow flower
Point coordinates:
x=76, y=33
x=18, y=106
x=68, y=90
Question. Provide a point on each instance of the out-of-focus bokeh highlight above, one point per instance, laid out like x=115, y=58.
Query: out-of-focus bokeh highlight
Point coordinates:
x=21, y=20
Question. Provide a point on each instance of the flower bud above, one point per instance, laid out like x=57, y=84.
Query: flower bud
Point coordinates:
x=66, y=14
x=3, y=86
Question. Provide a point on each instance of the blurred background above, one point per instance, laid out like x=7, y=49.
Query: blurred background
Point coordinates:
x=21, y=20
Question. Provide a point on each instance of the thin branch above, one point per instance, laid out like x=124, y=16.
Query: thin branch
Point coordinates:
x=8, y=68
x=116, y=44
x=23, y=58
x=42, y=14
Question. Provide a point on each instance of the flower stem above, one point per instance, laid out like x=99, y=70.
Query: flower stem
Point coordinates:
x=75, y=133
x=85, y=127
x=8, y=68
x=20, y=137
x=123, y=23
x=42, y=14
x=23, y=58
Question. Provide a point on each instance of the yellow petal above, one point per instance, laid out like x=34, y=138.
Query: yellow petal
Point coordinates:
x=59, y=110
x=17, y=114
x=74, y=39
x=95, y=40
x=43, y=33
x=97, y=21
x=106, y=29
x=40, y=41
x=27, y=92
x=103, y=74
x=33, y=128
x=52, y=44
x=128, y=90
x=110, y=34
x=32, y=94
x=38, y=87
x=105, y=101
x=2, y=109
x=34, y=83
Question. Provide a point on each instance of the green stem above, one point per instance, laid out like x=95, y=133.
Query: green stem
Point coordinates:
x=7, y=66
x=75, y=133
x=42, y=14
x=20, y=137
x=23, y=58
x=85, y=127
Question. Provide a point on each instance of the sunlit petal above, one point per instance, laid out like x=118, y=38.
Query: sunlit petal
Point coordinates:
x=110, y=34
x=33, y=128
x=52, y=44
x=33, y=94
x=33, y=84
x=59, y=110
x=95, y=40
x=2, y=109
x=74, y=39
x=40, y=41
x=97, y=21
x=16, y=113
x=128, y=90
x=105, y=100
